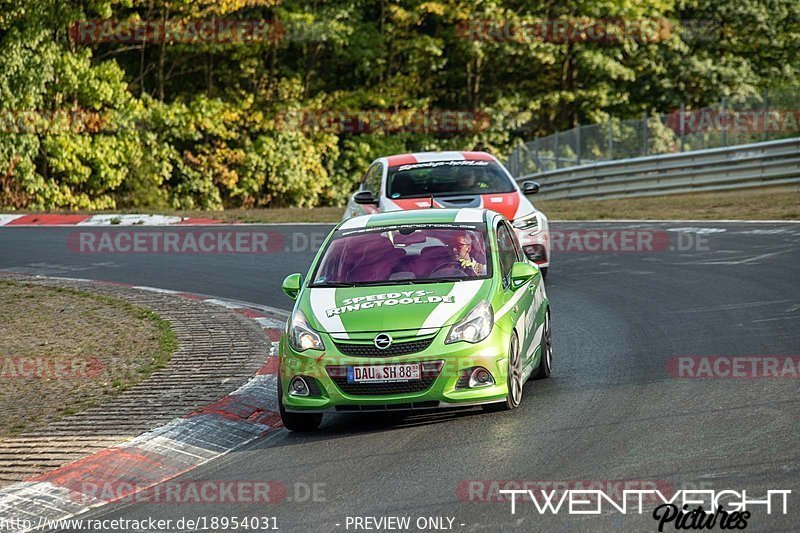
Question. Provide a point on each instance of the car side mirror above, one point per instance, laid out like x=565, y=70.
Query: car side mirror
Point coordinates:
x=364, y=197
x=292, y=284
x=521, y=273
x=530, y=187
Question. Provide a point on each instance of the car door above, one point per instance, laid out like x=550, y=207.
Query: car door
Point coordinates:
x=520, y=298
x=370, y=182
x=535, y=309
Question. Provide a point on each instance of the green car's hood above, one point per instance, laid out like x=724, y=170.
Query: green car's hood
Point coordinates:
x=421, y=307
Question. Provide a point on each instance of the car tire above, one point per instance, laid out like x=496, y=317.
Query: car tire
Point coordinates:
x=297, y=421
x=514, y=380
x=544, y=272
x=545, y=367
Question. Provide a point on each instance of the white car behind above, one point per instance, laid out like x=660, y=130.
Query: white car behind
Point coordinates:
x=454, y=179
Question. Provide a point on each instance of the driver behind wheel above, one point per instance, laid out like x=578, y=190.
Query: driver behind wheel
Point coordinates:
x=462, y=247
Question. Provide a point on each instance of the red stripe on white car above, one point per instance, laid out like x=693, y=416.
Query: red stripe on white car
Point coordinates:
x=505, y=204
x=397, y=160
x=477, y=156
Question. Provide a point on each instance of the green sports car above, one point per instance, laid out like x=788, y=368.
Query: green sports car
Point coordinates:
x=413, y=310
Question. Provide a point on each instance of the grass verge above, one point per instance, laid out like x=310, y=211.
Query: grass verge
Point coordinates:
x=64, y=350
x=734, y=205
x=738, y=205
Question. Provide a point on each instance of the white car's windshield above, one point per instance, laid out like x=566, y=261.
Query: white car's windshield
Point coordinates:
x=404, y=254
x=447, y=178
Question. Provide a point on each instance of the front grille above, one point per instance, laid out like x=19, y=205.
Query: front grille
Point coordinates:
x=387, y=407
x=374, y=389
x=396, y=349
x=338, y=375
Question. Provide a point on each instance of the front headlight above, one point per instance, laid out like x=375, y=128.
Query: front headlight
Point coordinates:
x=302, y=336
x=529, y=223
x=475, y=327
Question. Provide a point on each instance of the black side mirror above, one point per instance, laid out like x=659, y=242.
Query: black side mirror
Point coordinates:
x=364, y=197
x=530, y=187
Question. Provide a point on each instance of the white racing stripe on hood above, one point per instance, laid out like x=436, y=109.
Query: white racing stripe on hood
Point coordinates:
x=469, y=215
x=463, y=292
x=524, y=208
x=326, y=299
x=356, y=222
x=389, y=205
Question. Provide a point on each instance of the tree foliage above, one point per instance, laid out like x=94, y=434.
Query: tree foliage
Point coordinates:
x=127, y=122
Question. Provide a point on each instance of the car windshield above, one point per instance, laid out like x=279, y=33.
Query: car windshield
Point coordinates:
x=409, y=253
x=447, y=178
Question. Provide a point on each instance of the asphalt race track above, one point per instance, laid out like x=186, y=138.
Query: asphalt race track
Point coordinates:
x=615, y=408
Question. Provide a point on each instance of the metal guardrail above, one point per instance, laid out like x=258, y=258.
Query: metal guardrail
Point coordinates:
x=759, y=165
x=735, y=120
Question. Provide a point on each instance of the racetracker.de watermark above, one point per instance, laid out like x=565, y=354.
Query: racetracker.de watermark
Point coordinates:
x=185, y=31
x=599, y=241
x=61, y=121
x=582, y=30
x=177, y=241
x=496, y=490
x=735, y=121
x=205, y=492
x=383, y=120
x=734, y=366
x=43, y=367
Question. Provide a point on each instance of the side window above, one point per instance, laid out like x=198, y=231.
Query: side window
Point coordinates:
x=506, y=248
x=372, y=180
x=517, y=246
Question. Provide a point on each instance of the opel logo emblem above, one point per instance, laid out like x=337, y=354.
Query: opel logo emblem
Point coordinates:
x=383, y=341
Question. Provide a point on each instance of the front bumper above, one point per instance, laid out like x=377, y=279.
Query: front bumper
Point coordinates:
x=442, y=388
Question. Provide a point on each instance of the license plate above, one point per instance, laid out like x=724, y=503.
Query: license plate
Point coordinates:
x=383, y=373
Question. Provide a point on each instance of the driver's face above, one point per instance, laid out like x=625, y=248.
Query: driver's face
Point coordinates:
x=462, y=246
x=468, y=179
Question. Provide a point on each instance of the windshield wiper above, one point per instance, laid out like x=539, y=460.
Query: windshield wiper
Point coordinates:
x=335, y=284
x=437, y=280
x=332, y=284
x=384, y=282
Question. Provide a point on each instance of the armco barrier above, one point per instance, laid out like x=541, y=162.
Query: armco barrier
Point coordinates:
x=748, y=166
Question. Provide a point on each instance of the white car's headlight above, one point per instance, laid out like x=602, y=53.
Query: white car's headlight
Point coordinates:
x=302, y=336
x=475, y=327
x=530, y=223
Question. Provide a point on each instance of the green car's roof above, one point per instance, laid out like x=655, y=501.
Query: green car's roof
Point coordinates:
x=417, y=216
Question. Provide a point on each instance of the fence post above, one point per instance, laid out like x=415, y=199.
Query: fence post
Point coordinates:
x=537, y=161
x=578, y=144
x=558, y=161
x=513, y=163
x=766, y=113
x=610, y=138
x=645, y=139
x=682, y=123
x=724, y=122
